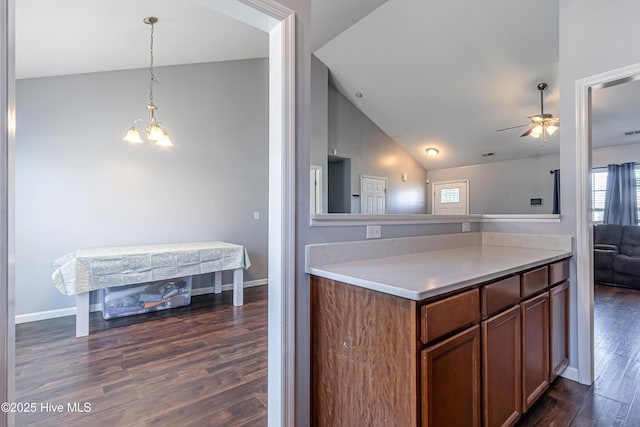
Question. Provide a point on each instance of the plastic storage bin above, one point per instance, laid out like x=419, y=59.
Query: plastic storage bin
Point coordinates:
x=140, y=298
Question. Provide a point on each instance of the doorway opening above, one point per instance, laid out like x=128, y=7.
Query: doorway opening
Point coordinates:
x=279, y=23
x=339, y=184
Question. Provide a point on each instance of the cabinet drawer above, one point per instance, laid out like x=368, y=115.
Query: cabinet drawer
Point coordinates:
x=558, y=272
x=534, y=281
x=498, y=295
x=448, y=315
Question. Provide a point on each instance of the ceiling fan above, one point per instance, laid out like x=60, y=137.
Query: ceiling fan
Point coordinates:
x=541, y=124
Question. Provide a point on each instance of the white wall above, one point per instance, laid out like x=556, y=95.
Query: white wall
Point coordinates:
x=78, y=184
x=601, y=157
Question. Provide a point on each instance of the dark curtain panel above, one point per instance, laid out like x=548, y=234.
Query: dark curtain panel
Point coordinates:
x=628, y=202
x=620, y=204
x=556, y=191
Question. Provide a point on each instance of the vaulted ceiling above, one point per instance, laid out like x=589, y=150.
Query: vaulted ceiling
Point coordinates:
x=442, y=74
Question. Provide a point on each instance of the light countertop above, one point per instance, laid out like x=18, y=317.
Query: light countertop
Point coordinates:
x=423, y=275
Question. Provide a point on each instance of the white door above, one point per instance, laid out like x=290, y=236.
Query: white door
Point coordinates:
x=451, y=197
x=373, y=194
x=315, y=190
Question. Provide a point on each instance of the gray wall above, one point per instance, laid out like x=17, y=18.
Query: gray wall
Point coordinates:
x=78, y=184
x=372, y=152
x=504, y=187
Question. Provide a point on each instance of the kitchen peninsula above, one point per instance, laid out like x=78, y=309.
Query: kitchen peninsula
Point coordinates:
x=461, y=329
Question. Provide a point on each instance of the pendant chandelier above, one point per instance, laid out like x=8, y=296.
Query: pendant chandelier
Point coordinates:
x=153, y=130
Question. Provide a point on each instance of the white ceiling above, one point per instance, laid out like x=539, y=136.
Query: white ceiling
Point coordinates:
x=80, y=36
x=433, y=74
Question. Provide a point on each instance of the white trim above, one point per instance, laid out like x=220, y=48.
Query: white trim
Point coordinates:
x=7, y=252
x=570, y=373
x=548, y=218
x=332, y=220
x=584, y=236
x=71, y=311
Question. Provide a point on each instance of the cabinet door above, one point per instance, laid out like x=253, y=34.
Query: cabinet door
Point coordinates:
x=451, y=381
x=501, y=361
x=535, y=348
x=559, y=322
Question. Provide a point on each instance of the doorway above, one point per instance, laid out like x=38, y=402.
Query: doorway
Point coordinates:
x=339, y=184
x=584, y=223
x=451, y=197
x=279, y=23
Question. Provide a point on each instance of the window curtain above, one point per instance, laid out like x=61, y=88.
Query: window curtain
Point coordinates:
x=620, y=204
x=556, y=191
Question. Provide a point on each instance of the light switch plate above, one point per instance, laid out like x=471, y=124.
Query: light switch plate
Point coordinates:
x=374, y=231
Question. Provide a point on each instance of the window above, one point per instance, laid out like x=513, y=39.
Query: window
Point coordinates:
x=450, y=195
x=599, y=190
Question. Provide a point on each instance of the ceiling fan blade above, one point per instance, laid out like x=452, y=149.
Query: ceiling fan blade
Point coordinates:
x=513, y=127
x=526, y=133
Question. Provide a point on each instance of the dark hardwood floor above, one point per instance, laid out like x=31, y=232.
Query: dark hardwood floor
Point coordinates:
x=203, y=364
x=206, y=364
x=614, y=398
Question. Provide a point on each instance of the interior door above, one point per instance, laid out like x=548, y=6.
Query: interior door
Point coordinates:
x=373, y=195
x=451, y=197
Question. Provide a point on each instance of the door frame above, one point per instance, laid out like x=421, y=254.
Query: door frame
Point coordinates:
x=317, y=191
x=386, y=184
x=584, y=236
x=279, y=22
x=452, y=181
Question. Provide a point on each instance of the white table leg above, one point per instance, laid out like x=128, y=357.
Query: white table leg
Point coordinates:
x=82, y=314
x=217, y=282
x=238, y=286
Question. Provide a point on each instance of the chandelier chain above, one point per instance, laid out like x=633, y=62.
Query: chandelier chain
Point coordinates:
x=152, y=76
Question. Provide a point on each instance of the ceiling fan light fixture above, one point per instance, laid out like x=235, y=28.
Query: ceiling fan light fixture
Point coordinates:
x=536, y=131
x=432, y=152
x=551, y=129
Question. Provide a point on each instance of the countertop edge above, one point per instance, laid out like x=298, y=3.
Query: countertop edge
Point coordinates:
x=419, y=296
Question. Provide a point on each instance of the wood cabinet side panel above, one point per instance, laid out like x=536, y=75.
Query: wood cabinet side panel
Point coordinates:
x=363, y=357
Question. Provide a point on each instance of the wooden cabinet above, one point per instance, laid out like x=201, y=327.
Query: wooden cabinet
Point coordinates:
x=535, y=348
x=451, y=381
x=559, y=323
x=501, y=369
x=478, y=356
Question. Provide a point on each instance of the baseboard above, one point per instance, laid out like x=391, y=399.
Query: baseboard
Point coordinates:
x=570, y=373
x=71, y=311
x=227, y=287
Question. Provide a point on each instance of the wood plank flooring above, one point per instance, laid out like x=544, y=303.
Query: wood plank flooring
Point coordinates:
x=203, y=364
x=614, y=398
x=206, y=364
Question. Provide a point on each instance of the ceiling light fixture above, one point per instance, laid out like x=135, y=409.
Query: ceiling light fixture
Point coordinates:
x=432, y=152
x=542, y=124
x=153, y=130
